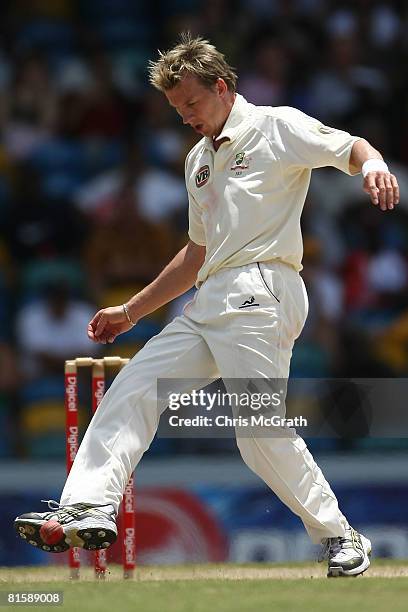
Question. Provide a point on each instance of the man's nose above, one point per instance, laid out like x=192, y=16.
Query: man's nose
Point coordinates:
x=187, y=119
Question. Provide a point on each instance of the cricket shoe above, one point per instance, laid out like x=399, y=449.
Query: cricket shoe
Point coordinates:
x=347, y=556
x=84, y=525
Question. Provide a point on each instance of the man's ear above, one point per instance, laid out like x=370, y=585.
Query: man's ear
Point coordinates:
x=221, y=86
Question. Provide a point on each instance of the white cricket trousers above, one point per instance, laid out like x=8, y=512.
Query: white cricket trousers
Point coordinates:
x=242, y=323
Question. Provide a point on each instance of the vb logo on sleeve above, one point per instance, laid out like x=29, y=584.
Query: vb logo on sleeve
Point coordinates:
x=202, y=176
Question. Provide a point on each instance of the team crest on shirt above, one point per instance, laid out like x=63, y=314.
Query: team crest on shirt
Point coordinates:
x=325, y=129
x=202, y=176
x=241, y=162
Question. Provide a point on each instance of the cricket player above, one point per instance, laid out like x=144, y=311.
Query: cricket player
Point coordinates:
x=247, y=180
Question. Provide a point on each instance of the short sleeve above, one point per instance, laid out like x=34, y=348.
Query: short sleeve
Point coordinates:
x=195, y=227
x=308, y=143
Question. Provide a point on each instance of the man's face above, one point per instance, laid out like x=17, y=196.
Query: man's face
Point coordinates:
x=204, y=108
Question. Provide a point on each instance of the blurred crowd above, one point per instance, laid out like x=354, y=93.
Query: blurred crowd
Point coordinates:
x=92, y=195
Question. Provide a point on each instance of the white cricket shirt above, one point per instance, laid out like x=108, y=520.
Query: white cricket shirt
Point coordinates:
x=246, y=199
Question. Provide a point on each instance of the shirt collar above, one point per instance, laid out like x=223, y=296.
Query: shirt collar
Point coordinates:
x=232, y=127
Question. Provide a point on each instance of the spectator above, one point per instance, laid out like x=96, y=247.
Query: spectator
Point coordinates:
x=159, y=193
x=266, y=81
x=28, y=109
x=119, y=249
x=52, y=329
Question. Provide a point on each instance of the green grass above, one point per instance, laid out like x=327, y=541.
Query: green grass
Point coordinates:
x=220, y=588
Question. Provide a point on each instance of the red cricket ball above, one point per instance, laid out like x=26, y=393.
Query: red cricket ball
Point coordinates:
x=51, y=532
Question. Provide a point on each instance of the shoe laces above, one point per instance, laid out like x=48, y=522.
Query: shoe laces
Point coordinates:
x=52, y=504
x=332, y=546
x=65, y=512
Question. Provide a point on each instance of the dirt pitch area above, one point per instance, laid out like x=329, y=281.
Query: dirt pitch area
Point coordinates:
x=295, y=571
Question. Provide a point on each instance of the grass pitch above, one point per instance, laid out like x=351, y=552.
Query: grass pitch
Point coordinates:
x=219, y=588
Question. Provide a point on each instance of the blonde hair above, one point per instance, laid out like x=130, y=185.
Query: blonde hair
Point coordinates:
x=194, y=56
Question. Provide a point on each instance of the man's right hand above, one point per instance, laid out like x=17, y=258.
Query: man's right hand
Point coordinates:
x=107, y=324
x=176, y=278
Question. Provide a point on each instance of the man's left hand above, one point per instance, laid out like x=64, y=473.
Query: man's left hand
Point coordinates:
x=383, y=189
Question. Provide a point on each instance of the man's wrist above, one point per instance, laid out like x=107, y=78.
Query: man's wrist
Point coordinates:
x=373, y=165
x=127, y=314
